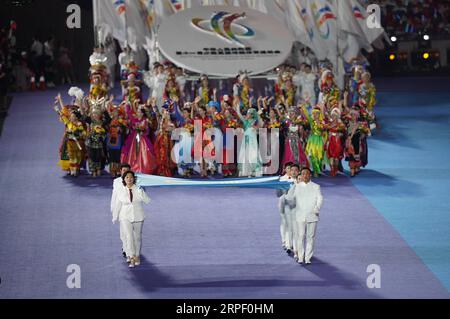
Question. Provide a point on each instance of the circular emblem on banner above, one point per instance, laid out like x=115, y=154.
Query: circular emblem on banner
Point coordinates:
x=224, y=40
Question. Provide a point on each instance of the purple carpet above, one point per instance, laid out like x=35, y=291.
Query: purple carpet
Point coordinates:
x=198, y=243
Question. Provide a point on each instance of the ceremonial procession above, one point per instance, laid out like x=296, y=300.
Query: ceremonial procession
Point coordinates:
x=224, y=149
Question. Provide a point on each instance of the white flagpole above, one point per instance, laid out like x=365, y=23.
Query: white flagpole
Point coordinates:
x=126, y=23
x=337, y=38
x=95, y=9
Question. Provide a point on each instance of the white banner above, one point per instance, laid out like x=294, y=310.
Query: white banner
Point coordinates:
x=224, y=40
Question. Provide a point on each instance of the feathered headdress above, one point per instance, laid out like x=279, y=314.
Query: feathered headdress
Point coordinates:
x=293, y=109
x=98, y=61
x=336, y=111
x=286, y=76
x=76, y=92
x=317, y=110
x=366, y=74
x=327, y=74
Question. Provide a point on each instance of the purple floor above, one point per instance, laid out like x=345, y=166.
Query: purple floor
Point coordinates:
x=198, y=243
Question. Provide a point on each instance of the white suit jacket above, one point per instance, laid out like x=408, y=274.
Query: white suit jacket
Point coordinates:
x=116, y=184
x=308, y=201
x=124, y=209
x=282, y=193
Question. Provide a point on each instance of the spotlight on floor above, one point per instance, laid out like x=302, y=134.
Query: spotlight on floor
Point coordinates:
x=394, y=38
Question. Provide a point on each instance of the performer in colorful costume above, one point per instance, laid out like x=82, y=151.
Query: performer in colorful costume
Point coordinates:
x=335, y=150
x=315, y=145
x=72, y=150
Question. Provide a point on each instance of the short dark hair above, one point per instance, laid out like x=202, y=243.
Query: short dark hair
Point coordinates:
x=125, y=165
x=125, y=175
x=306, y=169
x=295, y=165
x=288, y=164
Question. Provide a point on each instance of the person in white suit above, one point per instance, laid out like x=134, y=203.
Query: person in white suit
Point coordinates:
x=281, y=203
x=118, y=183
x=289, y=212
x=308, y=82
x=308, y=201
x=129, y=211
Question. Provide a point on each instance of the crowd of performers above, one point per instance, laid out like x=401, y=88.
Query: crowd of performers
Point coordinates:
x=316, y=129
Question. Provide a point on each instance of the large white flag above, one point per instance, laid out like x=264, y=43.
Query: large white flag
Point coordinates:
x=215, y=2
x=136, y=25
x=351, y=37
x=296, y=23
x=239, y=3
x=360, y=14
x=192, y=3
x=163, y=9
x=320, y=23
x=110, y=17
x=259, y=5
x=275, y=8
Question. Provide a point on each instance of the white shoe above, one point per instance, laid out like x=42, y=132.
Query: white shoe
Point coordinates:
x=128, y=259
x=308, y=262
x=137, y=261
x=131, y=265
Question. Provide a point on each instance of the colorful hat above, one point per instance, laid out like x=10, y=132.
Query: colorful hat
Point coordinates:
x=336, y=111
x=214, y=104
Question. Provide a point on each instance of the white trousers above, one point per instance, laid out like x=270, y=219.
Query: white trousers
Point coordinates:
x=291, y=229
x=283, y=227
x=123, y=237
x=307, y=230
x=133, y=236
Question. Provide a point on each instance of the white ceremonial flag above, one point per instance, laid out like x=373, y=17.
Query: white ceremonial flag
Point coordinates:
x=360, y=14
x=112, y=14
x=320, y=23
x=163, y=9
x=296, y=23
x=136, y=25
x=258, y=5
x=351, y=36
x=215, y=2
x=272, y=7
x=240, y=3
x=192, y=3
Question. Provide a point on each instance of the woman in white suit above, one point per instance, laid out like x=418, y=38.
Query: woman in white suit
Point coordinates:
x=129, y=211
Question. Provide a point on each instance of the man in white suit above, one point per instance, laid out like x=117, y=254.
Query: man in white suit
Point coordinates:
x=281, y=203
x=289, y=211
x=308, y=201
x=116, y=185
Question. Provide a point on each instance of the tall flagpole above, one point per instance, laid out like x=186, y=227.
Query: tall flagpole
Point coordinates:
x=126, y=23
x=95, y=11
x=337, y=38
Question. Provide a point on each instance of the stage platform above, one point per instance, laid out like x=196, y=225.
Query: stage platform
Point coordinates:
x=225, y=243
